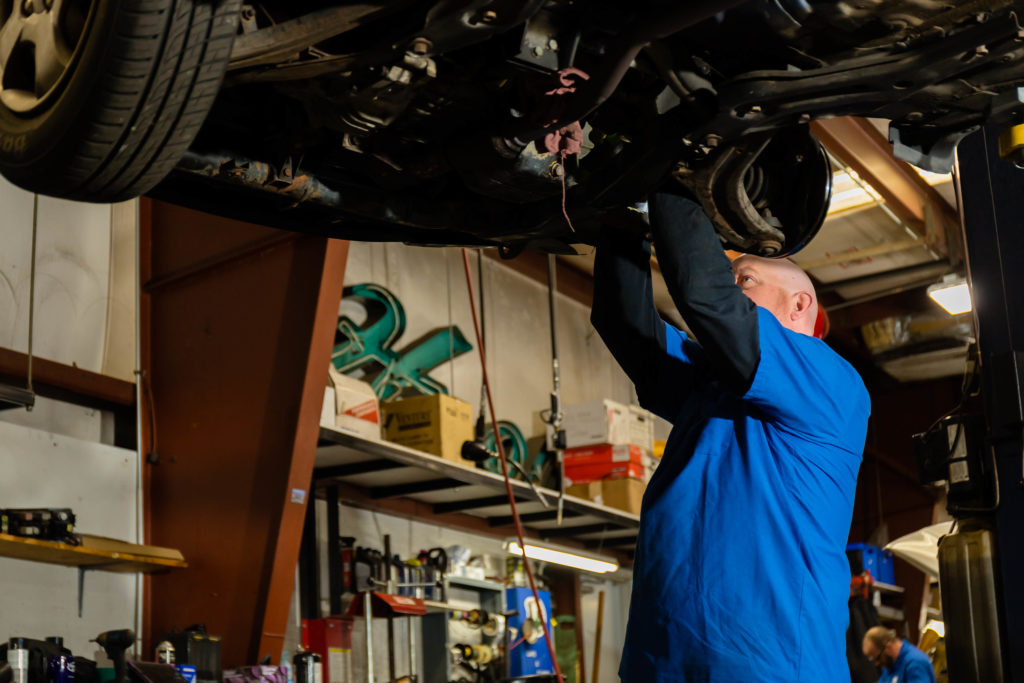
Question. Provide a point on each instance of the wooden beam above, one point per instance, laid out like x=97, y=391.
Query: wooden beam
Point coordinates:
x=534, y=265
x=237, y=325
x=859, y=145
x=66, y=382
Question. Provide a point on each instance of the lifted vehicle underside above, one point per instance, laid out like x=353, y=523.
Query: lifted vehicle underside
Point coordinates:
x=528, y=124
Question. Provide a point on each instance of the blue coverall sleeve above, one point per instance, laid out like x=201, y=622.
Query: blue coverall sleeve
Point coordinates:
x=657, y=357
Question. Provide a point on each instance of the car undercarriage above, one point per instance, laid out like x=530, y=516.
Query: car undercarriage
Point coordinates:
x=531, y=124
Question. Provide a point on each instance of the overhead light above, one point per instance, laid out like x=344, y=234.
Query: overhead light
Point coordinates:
x=563, y=556
x=952, y=294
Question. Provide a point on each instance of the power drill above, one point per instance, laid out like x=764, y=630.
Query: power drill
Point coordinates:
x=114, y=643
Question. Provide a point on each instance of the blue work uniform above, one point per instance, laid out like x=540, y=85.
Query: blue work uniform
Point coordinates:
x=911, y=666
x=740, y=573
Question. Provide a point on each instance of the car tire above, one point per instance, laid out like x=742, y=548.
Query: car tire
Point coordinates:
x=138, y=78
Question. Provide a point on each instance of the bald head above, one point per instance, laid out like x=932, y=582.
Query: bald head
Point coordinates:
x=780, y=286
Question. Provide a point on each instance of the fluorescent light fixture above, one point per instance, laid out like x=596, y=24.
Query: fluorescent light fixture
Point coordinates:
x=563, y=556
x=952, y=294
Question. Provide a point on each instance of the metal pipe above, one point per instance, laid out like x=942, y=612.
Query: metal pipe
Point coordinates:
x=274, y=43
x=556, y=382
x=390, y=589
x=917, y=284
x=941, y=268
x=411, y=637
x=368, y=614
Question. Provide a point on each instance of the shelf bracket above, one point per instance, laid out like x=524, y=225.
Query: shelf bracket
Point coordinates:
x=81, y=589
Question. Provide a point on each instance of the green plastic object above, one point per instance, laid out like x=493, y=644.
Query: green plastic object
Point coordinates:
x=516, y=450
x=369, y=347
x=566, y=649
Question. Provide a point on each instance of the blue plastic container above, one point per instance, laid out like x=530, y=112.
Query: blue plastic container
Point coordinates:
x=528, y=658
x=871, y=558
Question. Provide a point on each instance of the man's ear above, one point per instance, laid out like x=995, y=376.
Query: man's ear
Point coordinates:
x=801, y=305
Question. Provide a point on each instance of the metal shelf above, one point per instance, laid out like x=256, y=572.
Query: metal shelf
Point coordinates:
x=478, y=584
x=887, y=587
x=889, y=613
x=387, y=470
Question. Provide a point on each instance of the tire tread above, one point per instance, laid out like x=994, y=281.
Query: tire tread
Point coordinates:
x=156, y=80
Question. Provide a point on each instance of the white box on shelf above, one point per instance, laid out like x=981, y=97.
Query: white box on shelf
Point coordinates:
x=596, y=422
x=641, y=428
x=354, y=397
x=608, y=422
x=364, y=428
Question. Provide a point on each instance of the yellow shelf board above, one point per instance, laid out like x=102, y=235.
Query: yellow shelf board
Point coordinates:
x=96, y=552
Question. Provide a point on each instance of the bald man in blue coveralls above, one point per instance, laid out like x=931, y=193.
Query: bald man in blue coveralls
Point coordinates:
x=740, y=574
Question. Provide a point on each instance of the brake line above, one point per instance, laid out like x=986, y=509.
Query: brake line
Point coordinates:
x=504, y=465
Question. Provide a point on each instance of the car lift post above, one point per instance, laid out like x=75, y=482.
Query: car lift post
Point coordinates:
x=992, y=206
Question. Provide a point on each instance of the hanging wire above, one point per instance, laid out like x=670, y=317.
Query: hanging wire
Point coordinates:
x=504, y=463
x=32, y=290
x=483, y=333
x=451, y=329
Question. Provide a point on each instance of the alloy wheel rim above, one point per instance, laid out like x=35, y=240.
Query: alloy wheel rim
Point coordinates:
x=38, y=42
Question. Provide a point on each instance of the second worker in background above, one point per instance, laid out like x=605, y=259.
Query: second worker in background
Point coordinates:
x=740, y=573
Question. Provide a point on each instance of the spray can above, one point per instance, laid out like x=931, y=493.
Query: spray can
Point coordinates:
x=308, y=668
x=348, y=578
x=62, y=669
x=17, y=657
x=165, y=652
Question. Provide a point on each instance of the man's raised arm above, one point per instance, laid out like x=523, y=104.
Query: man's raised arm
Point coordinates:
x=624, y=315
x=700, y=279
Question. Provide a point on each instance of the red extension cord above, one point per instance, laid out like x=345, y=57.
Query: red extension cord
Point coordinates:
x=504, y=465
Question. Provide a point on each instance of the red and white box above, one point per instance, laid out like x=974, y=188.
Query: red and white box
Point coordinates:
x=602, y=462
x=603, y=453
x=356, y=406
x=586, y=474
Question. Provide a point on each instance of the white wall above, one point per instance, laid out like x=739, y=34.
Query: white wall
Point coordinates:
x=54, y=456
x=99, y=482
x=85, y=281
x=431, y=285
x=613, y=629
x=517, y=336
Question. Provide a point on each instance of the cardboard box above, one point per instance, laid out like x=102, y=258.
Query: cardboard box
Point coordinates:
x=585, y=474
x=591, y=492
x=436, y=424
x=354, y=397
x=603, y=454
x=623, y=494
x=596, y=422
x=608, y=422
x=650, y=464
x=364, y=428
x=641, y=428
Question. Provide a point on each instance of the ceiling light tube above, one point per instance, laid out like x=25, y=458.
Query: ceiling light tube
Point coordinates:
x=953, y=294
x=563, y=556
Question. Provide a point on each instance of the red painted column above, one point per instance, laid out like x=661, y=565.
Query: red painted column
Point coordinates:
x=237, y=325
